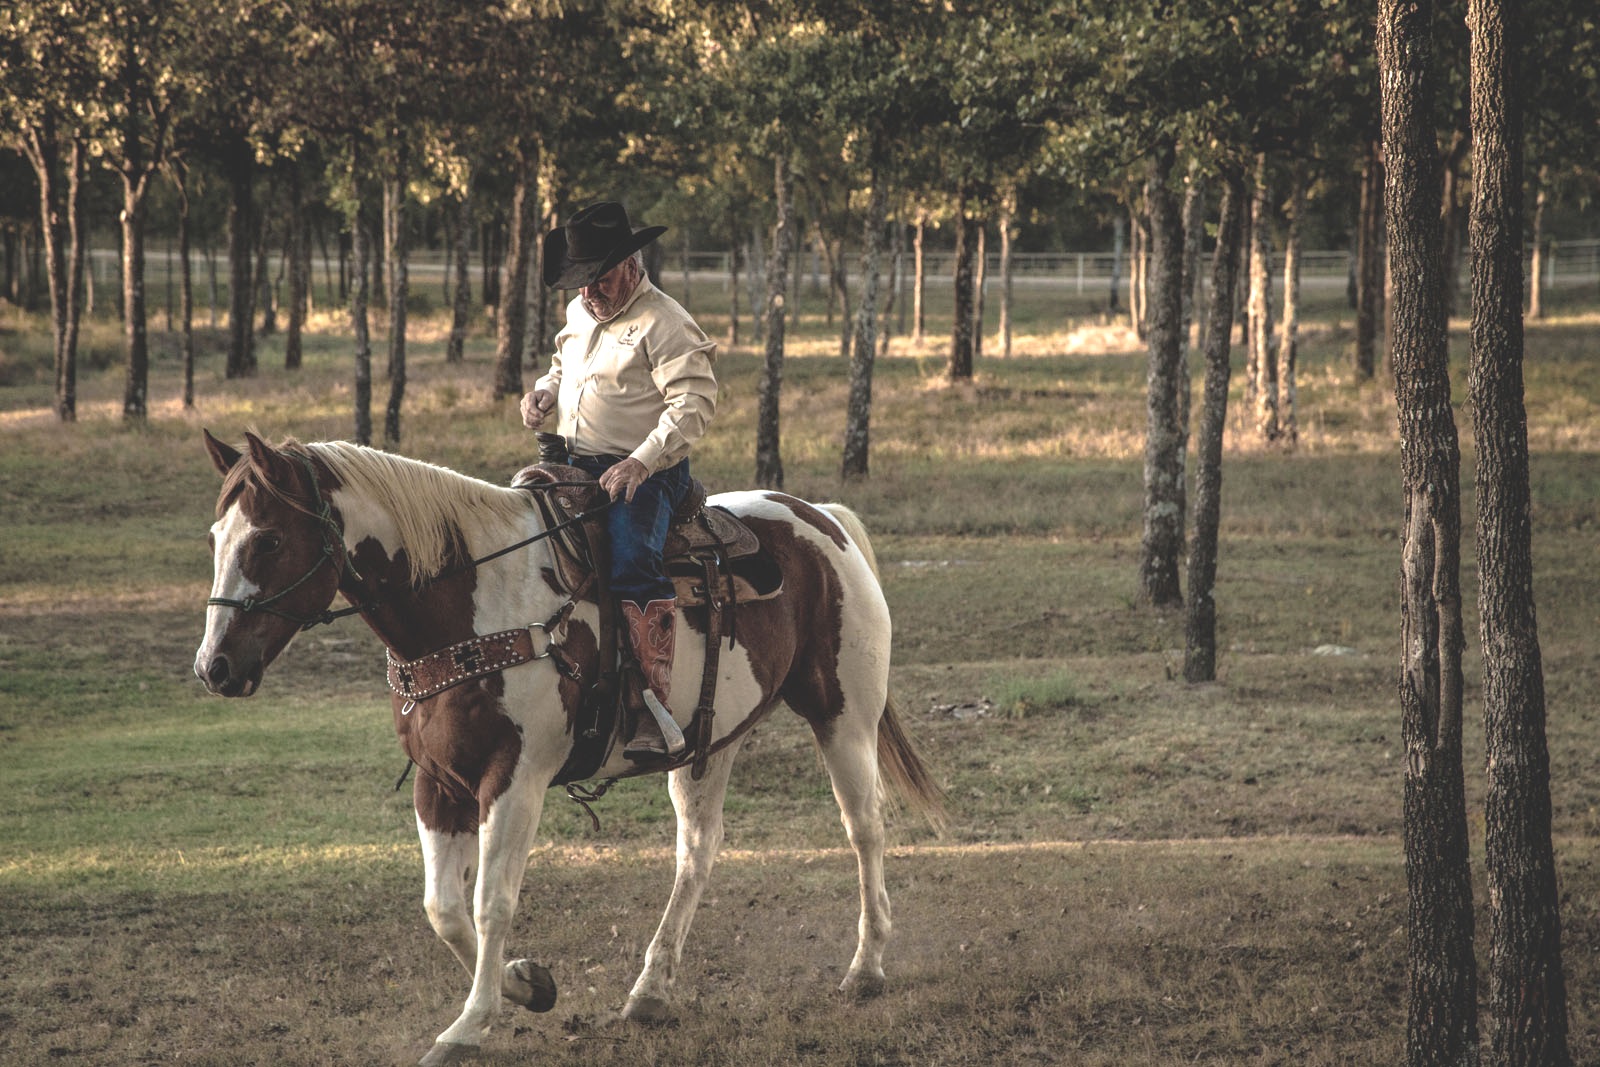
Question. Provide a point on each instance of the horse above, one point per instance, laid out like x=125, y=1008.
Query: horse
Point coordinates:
x=419, y=552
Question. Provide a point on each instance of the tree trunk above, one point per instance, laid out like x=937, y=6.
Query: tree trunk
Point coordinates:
x=961, y=331
x=919, y=284
x=1200, y=627
x=1527, y=990
x=891, y=300
x=180, y=176
x=135, y=332
x=1138, y=270
x=398, y=244
x=461, y=294
x=980, y=288
x=1454, y=159
x=299, y=256
x=513, y=311
x=1165, y=437
x=1118, y=225
x=858, y=415
x=489, y=255
x=58, y=181
x=362, y=255
x=265, y=297
x=1536, y=268
x=1441, y=1025
x=1263, y=369
x=1194, y=214
x=1288, y=341
x=1369, y=262
x=769, y=456
x=734, y=248
x=1008, y=234
x=241, y=294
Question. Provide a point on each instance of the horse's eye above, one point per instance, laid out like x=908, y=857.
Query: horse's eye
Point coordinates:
x=269, y=542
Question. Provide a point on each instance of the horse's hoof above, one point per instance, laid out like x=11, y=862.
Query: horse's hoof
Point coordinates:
x=445, y=1053
x=541, y=994
x=652, y=1010
x=862, y=986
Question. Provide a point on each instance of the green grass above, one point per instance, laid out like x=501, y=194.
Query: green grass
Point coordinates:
x=1136, y=871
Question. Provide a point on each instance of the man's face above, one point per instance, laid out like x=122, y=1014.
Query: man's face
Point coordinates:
x=609, y=291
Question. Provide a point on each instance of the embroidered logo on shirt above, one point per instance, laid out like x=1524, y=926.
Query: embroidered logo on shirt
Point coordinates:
x=629, y=336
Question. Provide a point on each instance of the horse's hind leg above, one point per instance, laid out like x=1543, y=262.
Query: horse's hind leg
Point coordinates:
x=850, y=753
x=699, y=809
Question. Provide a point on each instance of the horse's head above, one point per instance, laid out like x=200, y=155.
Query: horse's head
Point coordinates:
x=277, y=554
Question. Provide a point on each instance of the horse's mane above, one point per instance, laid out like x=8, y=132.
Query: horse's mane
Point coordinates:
x=430, y=506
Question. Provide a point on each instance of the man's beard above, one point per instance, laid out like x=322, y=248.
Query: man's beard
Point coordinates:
x=603, y=309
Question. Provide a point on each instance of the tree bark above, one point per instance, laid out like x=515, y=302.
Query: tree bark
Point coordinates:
x=1165, y=437
x=769, y=455
x=135, y=332
x=1527, y=990
x=397, y=242
x=512, y=320
x=1369, y=262
x=980, y=288
x=960, y=368
x=362, y=254
x=858, y=416
x=461, y=294
x=1536, y=267
x=1441, y=1025
x=1200, y=627
x=919, y=284
x=1288, y=340
x=180, y=178
x=1263, y=368
x=1008, y=234
x=299, y=256
x=241, y=234
x=1454, y=159
x=59, y=171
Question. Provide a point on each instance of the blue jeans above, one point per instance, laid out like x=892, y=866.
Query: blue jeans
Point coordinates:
x=638, y=531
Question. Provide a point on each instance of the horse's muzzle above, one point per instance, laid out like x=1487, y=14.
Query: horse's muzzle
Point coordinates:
x=222, y=679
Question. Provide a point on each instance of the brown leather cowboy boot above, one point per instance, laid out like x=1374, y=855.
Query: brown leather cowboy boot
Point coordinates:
x=652, y=633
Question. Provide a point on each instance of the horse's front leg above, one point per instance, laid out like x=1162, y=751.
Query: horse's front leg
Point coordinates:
x=504, y=840
x=450, y=859
x=699, y=809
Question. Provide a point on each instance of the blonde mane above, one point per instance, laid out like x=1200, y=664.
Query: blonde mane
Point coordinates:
x=431, y=506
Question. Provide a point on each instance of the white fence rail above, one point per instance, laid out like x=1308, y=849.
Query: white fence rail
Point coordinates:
x=1567, y=264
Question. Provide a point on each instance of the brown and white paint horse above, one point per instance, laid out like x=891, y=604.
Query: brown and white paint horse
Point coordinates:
x=299, y=523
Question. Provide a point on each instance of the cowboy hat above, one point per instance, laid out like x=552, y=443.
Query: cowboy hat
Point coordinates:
x=591, y=243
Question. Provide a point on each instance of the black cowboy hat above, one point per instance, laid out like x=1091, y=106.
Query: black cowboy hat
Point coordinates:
x=591, y=243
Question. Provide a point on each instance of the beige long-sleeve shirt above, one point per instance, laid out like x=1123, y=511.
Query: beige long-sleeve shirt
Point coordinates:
x=639, y=384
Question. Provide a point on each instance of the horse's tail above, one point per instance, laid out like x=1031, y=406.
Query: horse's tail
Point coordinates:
x=857, y=532
x=899, y=766
x=903, y=771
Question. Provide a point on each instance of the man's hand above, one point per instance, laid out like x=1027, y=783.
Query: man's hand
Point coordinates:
x=535, y=406
x=624, y=479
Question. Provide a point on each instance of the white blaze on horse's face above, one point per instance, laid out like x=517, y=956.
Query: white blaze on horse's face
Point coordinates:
x=229, y=536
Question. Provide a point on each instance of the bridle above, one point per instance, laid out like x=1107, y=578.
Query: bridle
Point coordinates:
x=333, y=546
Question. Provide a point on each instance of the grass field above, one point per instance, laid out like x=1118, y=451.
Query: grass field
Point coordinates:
x=1137, y=871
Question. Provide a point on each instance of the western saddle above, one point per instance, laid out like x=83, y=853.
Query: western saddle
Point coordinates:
x=715, y=563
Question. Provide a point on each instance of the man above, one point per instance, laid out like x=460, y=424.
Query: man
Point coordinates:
x=632, y=390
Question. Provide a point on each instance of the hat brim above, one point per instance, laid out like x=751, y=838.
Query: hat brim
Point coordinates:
x=563, y=272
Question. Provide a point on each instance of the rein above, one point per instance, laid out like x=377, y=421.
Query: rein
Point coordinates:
x=333, y=544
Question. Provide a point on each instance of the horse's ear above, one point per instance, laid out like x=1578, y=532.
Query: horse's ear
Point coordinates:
x=223, y=456
x=268, y=460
